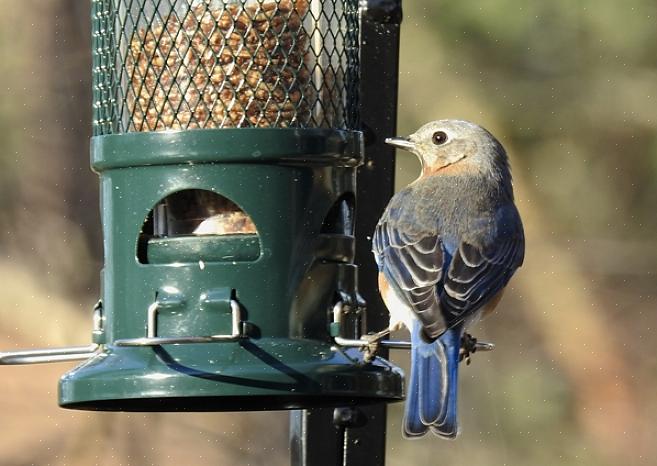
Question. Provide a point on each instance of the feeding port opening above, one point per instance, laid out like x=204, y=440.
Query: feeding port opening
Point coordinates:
x=197, y=225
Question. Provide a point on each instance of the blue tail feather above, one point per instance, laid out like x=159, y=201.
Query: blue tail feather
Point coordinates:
x=432, y=390
x=413, y=426
x=431, y=382
x=447, y=424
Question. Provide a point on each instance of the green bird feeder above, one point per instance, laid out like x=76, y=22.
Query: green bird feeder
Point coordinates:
x=226, y=140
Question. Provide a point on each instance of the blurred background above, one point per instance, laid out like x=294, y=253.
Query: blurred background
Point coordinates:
x=570, y=88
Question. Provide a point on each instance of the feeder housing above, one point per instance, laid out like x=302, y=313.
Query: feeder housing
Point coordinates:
x=226, y=138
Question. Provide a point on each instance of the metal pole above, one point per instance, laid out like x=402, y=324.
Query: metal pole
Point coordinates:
x=356, y=436
x=365, y=440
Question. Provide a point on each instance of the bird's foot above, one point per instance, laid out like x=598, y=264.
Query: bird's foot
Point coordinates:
x=468, y=347
x=371, y=343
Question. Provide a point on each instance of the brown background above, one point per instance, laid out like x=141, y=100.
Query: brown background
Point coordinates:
x=569, y=88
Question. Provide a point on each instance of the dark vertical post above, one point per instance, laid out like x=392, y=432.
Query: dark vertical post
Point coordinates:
x=378, y=95
x=314, y=439
x=380, y=22
x=356, y=436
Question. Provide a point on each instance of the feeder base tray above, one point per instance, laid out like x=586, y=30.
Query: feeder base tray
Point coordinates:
x=265, y=374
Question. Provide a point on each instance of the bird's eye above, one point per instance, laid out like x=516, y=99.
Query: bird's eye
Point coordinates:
x=439, y=137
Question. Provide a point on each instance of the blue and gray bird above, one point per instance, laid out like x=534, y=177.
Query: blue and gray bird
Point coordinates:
x=446, y=247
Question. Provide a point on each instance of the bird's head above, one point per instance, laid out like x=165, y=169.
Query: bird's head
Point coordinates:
x=454, y=145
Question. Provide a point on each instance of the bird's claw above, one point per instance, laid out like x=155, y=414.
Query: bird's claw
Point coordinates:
x=371, y=344
x=468, y=347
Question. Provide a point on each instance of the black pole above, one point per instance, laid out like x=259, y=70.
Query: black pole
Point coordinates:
x=365, y=442
x=356, y=436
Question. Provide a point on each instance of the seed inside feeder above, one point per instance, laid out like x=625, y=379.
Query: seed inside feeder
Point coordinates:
x=199, y=212
x=220, y=67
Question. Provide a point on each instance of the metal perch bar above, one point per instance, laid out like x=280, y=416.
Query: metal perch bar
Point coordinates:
x=396, y=344
x=39, y=356
x=376, y=339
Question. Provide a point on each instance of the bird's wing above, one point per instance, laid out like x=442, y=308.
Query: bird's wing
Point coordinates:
x=442, y=290
x=481, y=267
x=412, y=263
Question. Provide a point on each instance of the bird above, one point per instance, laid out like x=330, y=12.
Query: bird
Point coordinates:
x=446, y=246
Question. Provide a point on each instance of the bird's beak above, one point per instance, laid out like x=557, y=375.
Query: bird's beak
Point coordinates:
x=401, y=143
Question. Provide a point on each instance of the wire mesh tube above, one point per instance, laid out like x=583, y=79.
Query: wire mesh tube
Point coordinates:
x=162, y=65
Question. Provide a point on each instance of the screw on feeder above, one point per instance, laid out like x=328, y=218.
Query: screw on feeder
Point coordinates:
x=349, y=417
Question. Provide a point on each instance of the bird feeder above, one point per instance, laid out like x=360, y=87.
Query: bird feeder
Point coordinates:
x=226, y=140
